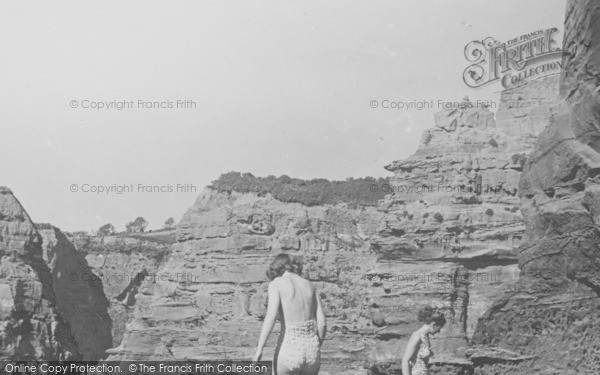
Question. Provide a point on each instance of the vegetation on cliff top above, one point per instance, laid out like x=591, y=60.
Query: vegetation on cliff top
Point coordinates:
x=366, y=191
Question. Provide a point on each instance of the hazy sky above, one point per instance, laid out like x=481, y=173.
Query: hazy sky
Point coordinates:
x=280, y=88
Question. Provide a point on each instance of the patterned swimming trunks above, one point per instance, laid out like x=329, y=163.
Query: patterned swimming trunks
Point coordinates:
x=298, y=348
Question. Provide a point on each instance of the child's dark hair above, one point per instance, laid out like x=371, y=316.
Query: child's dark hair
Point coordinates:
x=284, y=262
x=430, y=315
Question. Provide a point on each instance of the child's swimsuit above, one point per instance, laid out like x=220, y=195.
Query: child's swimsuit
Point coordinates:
x=422, y=361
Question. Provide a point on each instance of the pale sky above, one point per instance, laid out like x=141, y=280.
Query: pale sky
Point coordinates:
x=280, y=88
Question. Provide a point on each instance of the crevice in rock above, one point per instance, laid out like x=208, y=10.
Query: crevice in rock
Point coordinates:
x=79, y=296
x=589, y=284
x=459, y=298
x=127, y=296
x=389, y=336
x=31, y=325
x=482, y=261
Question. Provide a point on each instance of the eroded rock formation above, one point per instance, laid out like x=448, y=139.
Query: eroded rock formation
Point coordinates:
x=452, y=224
x=453, y=246
x=469, y=211
x=67, y=297
x=209, y=298
x=447, y=236
x=119, y=265
x=79, y=295
x=31, y=328
x=549, y=322
x=96, y=280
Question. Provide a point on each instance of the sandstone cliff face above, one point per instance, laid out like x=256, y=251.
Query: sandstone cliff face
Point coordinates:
x=452, y=224
x=208, y=299
x=68, y=297
x=94, y=281
x=549, y=323
x=452, y=246
x=111, y=270
x=448, y=235
x=79, y=295
x=31, y=328
x=438, y=240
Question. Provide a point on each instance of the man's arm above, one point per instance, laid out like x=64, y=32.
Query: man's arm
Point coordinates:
x=272, y=309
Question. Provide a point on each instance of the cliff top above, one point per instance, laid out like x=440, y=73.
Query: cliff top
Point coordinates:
x=318, y=191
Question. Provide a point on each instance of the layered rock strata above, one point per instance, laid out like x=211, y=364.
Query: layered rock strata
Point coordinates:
x=453, y=248
x=549, y=322
x=79, y=295
x=452, y=222
x=31, y=327
x=209, y=298
x=95, y=281
x=448, y=236
x=119, y=265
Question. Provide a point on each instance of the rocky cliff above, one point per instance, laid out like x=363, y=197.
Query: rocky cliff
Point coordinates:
x=31, y=328
x=95, y=280
x=480, y=203
x=452, y=223
x=447, y=235
x=208, y=300
x=119, y=265
x=79, y=296
x=66, y=297
x=549, y=323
